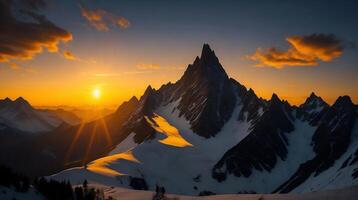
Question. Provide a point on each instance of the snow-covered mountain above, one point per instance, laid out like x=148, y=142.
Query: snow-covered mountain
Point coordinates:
x=208, y=133
x=20, y=115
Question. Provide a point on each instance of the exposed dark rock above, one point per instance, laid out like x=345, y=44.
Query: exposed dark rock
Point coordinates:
x=207, y=96
x=260, y=150
x=251, y=105
x=138, y=183
x=330, y=141
x=312, y=110
x=206, y=193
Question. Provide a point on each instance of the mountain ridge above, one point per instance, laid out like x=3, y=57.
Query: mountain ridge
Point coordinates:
x=208, y=132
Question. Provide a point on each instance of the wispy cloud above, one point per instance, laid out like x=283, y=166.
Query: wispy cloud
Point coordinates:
x=107, y=74
x=19, y=68
x=122, y=73
x=21, y=40
x=146, y=66
x=103, y=20
x=304, y=51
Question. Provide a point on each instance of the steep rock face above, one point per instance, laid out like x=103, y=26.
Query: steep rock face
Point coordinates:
x=262, y=147
x=330, y=141
x=312, y=109
x=207, y=96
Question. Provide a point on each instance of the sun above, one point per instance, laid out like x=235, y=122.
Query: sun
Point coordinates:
x=96, y=93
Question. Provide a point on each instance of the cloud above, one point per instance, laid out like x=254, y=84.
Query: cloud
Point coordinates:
x=303, y=51
x=16, y=67
x=69, y=56
x=143, y=66
x=122, y=73
x=21, y=40
x=320, y=46
x=102, y=20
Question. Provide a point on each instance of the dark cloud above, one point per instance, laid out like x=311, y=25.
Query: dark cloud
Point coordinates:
x=304, y=51
x=23, y=39
x=30, y=4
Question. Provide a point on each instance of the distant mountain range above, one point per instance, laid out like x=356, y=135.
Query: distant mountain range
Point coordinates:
x=206, y=134
x=20, y=115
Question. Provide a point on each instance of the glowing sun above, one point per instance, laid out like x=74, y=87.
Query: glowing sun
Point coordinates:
x=96, y=93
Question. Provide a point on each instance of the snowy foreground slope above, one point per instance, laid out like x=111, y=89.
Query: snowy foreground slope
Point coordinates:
x=350, y=193
x=207, y=133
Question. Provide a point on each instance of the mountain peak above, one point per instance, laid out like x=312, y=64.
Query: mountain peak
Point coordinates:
x=274, y=98
x=343, y=102
x=314, y=100
x=313, y=95
x=6, y=100
x=148, y=90
x=133, y=99
x=207, y=54
x=21, y=100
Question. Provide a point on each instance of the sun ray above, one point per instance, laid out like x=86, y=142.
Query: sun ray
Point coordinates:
x=106, y=132
x=90, y=143
x=77, y=135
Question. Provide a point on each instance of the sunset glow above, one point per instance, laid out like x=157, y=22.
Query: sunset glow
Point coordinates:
x=125, y=51
x=96, y=93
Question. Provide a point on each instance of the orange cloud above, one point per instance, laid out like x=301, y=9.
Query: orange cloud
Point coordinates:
x=123, y=22
x=23, y=39
x=69, y=56
x=320, y=46
x=144, y=66
x=304, y=51
x=102, y=20
x=16, y=67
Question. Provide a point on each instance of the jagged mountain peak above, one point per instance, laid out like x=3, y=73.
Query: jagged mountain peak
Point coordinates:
x=21, y=102
x=206, y=67
x=20, y=99
x=207, y=53
x=133, y=99
x=313, y=101
x=313, y=95
x=275, y=99
x=7, y=99
x=132, y=102
x=343, y=102
x=148, y=91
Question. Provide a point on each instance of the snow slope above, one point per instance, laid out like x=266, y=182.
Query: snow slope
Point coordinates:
x=336, y=176
x=182, y=161
x=349, y=193
x=176, y=157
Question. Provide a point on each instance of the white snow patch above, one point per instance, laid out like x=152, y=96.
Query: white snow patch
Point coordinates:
x=168, y=165
x=350, y=193
x=334, y=177
x=126, y=145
